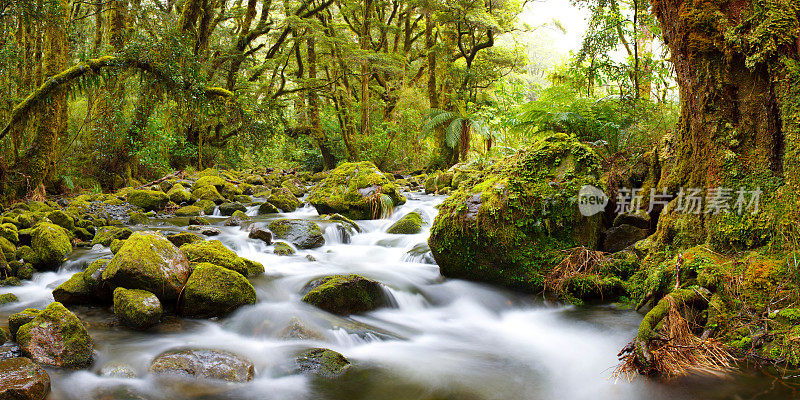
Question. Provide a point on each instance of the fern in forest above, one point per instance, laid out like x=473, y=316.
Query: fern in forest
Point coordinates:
x=461, y=126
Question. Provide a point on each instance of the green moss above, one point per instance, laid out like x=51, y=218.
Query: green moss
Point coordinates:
x=411, y=223
x=178, y=194
x=137, y=218
x=148, y=261
x=150, y=200
x=302, y=233
x=510, y=226
x=182, y=238
x=209, y=180
x=229, y=208
x=216, y=253
x=267, y=208
x=209, y=193
x=322, y=362
x=215, y=291
x=15, y=321
x=355, y=190
x=62, y=219
x=8, y=298
x=106, y=235
x=138, y=309
x=283, y=249
x=76, y=290
x=345, y=294
x=51, y=243
x=56, y=337
x=188, y=211
x=283, y=199
x=294, y=186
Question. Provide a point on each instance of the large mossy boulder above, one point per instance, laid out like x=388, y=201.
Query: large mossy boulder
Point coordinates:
x=178, y=194
x=138, y=309
x=345, y=294
x=150, y=262
x=510, y=227
x=229, y=208
x=283, y=199
x=50, y=243
x=150, y=200
x=214, y=291
x=56, y=337
x=302, y=233
x=214, y=252
x=203, y=364
x=357, y=191
x=21, y=379
x=209, y=193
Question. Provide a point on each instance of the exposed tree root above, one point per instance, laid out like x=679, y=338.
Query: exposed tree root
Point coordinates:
x=577, y=261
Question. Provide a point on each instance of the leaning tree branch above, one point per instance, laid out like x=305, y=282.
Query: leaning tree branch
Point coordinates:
x=93, y=66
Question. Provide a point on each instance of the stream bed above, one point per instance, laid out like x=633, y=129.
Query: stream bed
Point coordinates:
x=442, y=339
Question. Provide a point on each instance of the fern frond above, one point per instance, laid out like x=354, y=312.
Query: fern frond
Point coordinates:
x=453, y=133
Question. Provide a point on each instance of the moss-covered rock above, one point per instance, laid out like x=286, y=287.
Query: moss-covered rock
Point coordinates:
x=214, y=252
x=438, y=183
x=238, y=218
x=267, y=208
x=203, y=364
x=209, y=193
x=210, y=180
x=283, y=249
x=138, y=309
x=188, y=211
x=56, y=337
x=411, y=223
x=15, y=321
x=509, y=228
x=150, y=200
x=182, y=238
x=107, y=234
x=345, y=294
x=302, y=233
x=7, y=251
x=261, y=234
x=621, y=237
x=227, y=209
x=207, y=206
x=283, y=199
x=51, y=243
x=148, y=261
x=178, y=194
x=8, y=298
x=115, y=245
x=322, y=362
x=214, y=291
x=357, y=191
x=21, y=379
x=62, y=219
x=8, y=231
x=76, y=290
x=294, y=186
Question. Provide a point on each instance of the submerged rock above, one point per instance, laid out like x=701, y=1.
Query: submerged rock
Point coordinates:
x=322, y=362
x=510, y=227
x=204, y=364
x=214, y=252
x=21, y=379
x=56, y=337
x=214, y=291
x=357, y=191
x=345, y=294
x=138, y=309
x=302, y=233
x=148, y=261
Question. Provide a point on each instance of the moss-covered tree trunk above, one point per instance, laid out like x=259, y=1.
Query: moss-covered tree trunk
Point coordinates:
x=313, y=106
x=737, y=68
x=38, y=164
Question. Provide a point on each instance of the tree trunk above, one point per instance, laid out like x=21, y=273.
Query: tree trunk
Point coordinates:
x=52, y=121
x=739, y=117
x=313, y=107
x=364, y=41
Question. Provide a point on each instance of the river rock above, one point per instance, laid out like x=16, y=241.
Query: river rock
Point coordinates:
x=510, y=226
x=410, y=224
x=188, y=211
x=357, y=191
x=227, y=209
x=21, y=318
x=209, y=193
x=62, y=219
x=214, y=252
x=148, y=261
x=56, y=337
x=639, y=219
x=138, y=309
x=283, y=249
x=302, y=233
x=107, y=234
x=150, y=200
x=237, y=219
x=204, y=364
x=345, y=294
x=322, y=362
x=178, y=194
x=294, y=186
x=283, y=199
x=621, y=237
x=21, y=379
x=259, y=233
x=214, y=291
x=50, y=243
x=267, y=208
x=76, y=290
x=182, y=238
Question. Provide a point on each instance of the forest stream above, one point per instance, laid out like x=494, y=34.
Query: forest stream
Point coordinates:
x=440, y=339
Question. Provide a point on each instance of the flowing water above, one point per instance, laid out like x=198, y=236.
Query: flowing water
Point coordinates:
x=443, y=339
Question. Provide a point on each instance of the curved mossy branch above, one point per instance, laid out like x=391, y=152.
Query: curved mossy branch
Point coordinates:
x=93, y=66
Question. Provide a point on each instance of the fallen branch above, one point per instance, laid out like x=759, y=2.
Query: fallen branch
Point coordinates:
x=157, y=181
